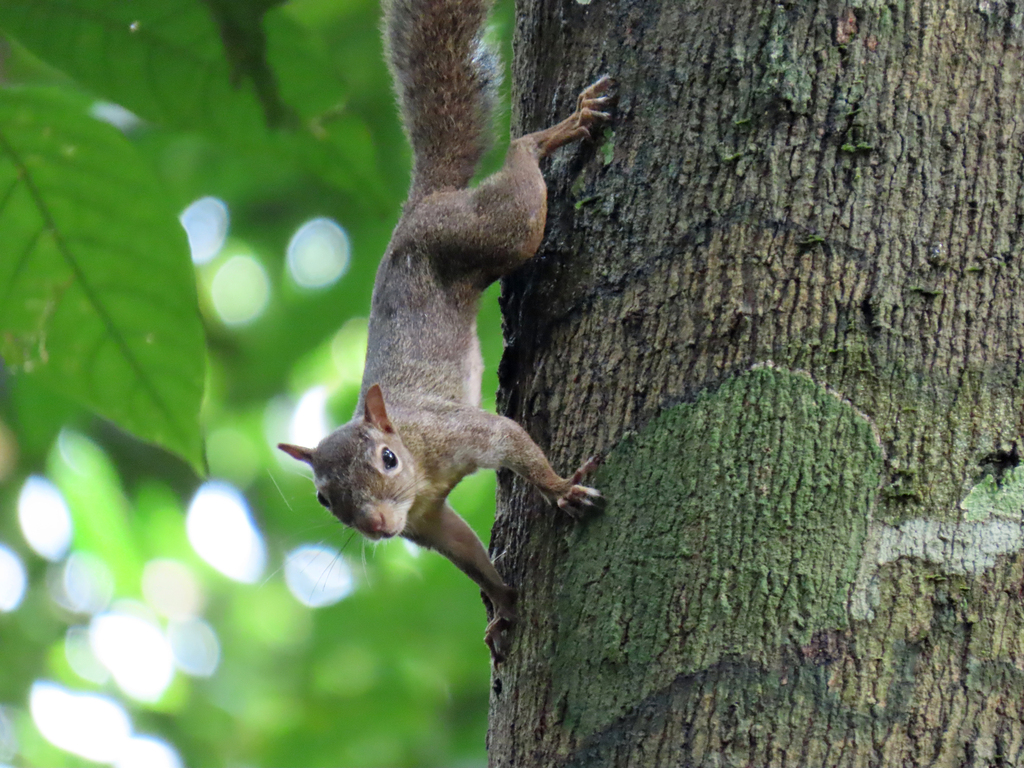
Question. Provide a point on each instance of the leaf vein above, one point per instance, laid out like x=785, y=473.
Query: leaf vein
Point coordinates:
x=76, y=269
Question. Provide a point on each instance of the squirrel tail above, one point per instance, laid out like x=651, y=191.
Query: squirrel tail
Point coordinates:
x=446, y=78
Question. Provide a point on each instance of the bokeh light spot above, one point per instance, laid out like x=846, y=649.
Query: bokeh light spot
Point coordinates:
x=116, y=115
x=12, y=580
x=308, y=424
x=44, y=518
x=136, y=653
x=240, y=290
x=172, y=589
x=8, y=736
x=195, y=647
x=222, y=532
x=87, y=584
x=206, y=224
x=318, y=253
x=317, y=575
x=85, y=724
x=147, y=752
x=411, y=547
x=80, y=657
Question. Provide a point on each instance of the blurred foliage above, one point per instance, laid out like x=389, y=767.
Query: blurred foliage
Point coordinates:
x=285, y=113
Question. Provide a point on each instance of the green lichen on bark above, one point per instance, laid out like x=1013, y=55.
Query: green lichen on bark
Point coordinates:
x=789, y=70
x=989, y=498
x=753, y=503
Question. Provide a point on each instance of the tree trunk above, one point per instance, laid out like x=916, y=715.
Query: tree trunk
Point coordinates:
x=783, y=303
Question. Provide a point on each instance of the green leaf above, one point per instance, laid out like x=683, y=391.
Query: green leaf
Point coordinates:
x=214, y=70
x=162, y=60
x=97, y=292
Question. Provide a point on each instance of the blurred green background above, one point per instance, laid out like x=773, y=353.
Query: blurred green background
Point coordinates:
x=170, y=591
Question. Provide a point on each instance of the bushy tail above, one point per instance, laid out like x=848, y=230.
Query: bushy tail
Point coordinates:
x=446, y=79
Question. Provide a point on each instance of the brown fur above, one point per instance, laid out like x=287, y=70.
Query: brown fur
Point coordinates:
x=446, y=79
x=420, y=394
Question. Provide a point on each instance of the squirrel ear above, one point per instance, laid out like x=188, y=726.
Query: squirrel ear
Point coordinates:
x=374, y=411
x=297, y=452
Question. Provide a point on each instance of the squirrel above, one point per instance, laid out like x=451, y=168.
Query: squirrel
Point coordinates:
x=418, y=428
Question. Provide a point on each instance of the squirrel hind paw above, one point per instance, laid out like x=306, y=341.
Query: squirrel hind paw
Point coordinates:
x=585, y=469
x=603, y=84
x=596, y=94
x=592, y=107
x=496, y=636
x=579, y=499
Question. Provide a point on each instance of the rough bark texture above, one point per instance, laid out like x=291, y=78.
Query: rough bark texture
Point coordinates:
x=784, y=301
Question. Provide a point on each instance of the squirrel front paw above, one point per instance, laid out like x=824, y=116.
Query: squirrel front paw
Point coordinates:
x=502, y=602
x=579, y=498
x=497, y=639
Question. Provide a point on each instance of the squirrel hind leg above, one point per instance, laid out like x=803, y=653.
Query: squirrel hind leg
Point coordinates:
x=579, y=499
x=592, y=107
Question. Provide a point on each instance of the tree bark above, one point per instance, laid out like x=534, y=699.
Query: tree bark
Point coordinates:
x=783, y=302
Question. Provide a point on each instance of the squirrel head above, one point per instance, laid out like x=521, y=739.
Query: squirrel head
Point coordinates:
x=363, y=472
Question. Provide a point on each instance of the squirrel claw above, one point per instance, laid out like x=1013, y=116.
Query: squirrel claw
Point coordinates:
x=592, y=98
x=585, y=469
x=591, y=106
x=493, y=636
x=587, y=116
x=603, y=83
x=580, y=497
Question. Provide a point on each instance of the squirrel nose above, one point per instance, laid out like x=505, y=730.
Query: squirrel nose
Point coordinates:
x=375, y=522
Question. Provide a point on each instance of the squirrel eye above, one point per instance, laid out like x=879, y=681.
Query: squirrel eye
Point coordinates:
x=322, y=499
x=389, y=458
